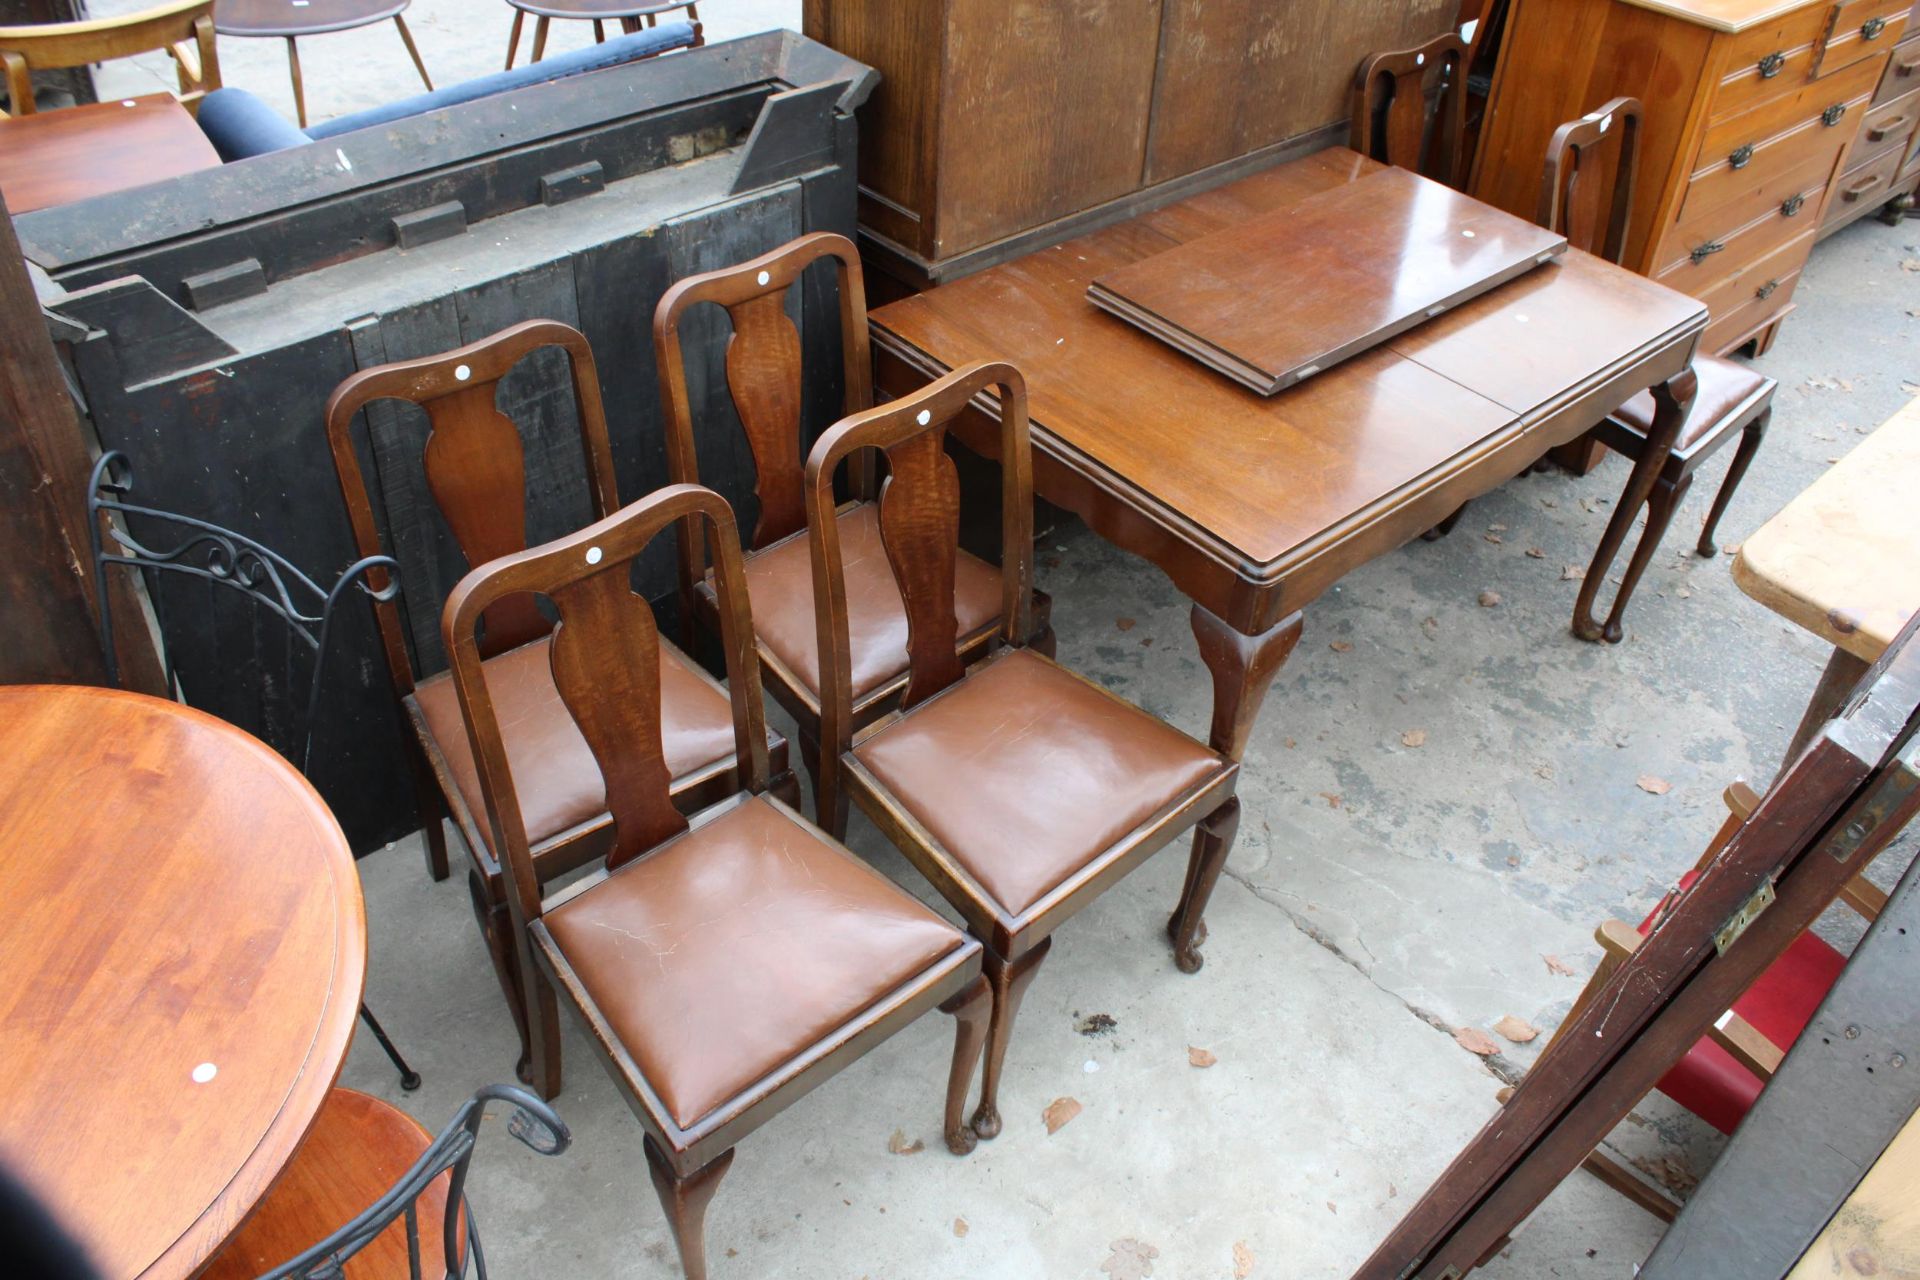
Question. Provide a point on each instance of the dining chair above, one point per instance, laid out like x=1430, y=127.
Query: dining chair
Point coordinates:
x=229, y=562
x=474, y=464
x=1586, y=194
x=764, y=385
x=369, y=1159
x=1721, y=1076
x=726, y=964
x=1020, y=790
x=183, y=28
x=1391, y=120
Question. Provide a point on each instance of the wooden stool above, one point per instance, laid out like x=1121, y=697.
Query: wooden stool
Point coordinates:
x=316, y=17
x=628, y=12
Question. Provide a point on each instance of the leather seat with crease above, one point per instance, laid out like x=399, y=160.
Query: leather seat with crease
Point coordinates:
x=1020, y=790
x=472, y=469
x=764, y=386
x=726, y=963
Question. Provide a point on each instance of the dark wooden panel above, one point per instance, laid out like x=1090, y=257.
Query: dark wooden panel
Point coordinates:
x=1238, y=75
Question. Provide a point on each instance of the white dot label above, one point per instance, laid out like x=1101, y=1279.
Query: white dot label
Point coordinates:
x=205, y=1072
x=1419, y=59
x=462, y=373
x=127, y=103
x=595, y=555
x=1467, y=234
x=763, y=278
x=923, y=417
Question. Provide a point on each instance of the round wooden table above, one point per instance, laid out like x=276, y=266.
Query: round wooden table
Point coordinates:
x=181, y=964
x=629, y=13
x=290, y=19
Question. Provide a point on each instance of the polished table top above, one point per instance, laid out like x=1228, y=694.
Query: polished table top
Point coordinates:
x=1842, y=560
x=1266, y=485
x=300, y=17
x=180, y=968
x=76, y=153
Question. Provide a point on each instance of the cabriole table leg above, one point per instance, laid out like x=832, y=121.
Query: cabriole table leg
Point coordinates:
x=1243, y=668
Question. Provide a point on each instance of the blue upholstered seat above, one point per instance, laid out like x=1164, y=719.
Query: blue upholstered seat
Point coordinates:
x=240, y=125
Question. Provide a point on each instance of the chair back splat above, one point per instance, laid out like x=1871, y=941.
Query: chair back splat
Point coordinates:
x=1589, y=160
x=606, y=667
x=1391, y=122
x=475, y=467
x=763, y=369
x=920, y=528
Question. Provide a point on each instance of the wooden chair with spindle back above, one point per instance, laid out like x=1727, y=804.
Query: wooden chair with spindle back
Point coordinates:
x=474, y=462
x=724, y=965
x=1021, y=790
x=183, y=28
x=1586, y=194
x=763, y=368
x=1391, y=120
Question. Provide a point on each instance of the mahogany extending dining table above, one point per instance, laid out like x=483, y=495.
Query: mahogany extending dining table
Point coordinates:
x=1255, y=505
x=180, y=969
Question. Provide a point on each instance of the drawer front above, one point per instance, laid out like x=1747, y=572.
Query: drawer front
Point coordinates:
x=1742, y=318
x=1754, y=223
x=1865, y=184
x=1774, y=170
x=1749, y=282
x=1833, y=102
x=1770, y=60
x=1861, y=29
x=1903, y=72
x=1788, y=194
x=1885, y=128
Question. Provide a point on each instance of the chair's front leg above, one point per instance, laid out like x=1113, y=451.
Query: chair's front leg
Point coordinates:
x=685, y=1201
x=1212, y=841
x=1661, y=504
x=1671, y=400
x=1750, y=438
x=1009, y=980
x=972, y=1012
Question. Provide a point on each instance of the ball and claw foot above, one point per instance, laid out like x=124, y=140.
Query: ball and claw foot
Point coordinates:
x=962, y=1140
x=986, y=1123
x=1187, y=959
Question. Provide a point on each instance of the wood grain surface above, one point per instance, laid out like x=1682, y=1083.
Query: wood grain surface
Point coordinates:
x=180, y=975
x=76, y=153
x=1842, y=560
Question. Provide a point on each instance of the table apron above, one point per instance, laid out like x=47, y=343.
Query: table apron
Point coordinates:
x=1250, y=597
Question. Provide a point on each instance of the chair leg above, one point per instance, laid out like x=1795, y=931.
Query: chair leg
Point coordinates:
x=299, y=88
x=540, y=39
x=409, y=1078
x=496, y=926
x=513, y=36
x=1212, y=841
x=1043, y=641
x=785, y=787
x=685, y=1201
x=1009, y=981
x=1661, y=504
x=1445, y=527
x=413, y=51
x=829, y=796
x=972, y=1012
x=1750, y=439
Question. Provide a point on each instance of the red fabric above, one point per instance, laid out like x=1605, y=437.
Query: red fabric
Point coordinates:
x=1708, y=1082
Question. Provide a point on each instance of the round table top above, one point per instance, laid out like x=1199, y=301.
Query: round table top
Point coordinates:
x=594, y=8
x=300, y=17
x=180, y=968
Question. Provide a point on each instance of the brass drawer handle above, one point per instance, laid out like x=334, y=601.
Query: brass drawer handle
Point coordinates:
x=1740, y=157
x=1702, y=252
x=1765, y=291
x=1831, y=116
x=1791, y=205
x=1887, y=128
x=1872, y=27
x=1902, y=70
x=1771, y=64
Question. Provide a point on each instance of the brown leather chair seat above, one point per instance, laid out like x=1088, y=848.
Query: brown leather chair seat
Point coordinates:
x=358, y=1149
x=719, y=958
x=780, y=583
x=554, y=773
x=1725, y=387
x=1026, y=773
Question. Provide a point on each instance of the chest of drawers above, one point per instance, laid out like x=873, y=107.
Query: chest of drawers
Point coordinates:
x=1753, y=108
x=1885, y=160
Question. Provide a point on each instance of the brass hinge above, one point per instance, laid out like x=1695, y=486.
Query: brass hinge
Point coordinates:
x=1729, y=933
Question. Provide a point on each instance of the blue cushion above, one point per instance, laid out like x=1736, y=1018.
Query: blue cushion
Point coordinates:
x=240, y=125
x=668, y=35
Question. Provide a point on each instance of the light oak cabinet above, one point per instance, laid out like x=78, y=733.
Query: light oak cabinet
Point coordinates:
x=1752, y=110
x=1884, y=164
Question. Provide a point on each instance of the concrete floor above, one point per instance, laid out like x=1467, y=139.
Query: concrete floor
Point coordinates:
x=1379, y=896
